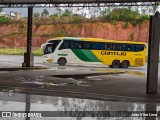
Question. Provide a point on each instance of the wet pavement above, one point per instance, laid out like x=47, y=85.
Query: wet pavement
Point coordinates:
x=74, y=78
x=97, y=87
x=66, y=108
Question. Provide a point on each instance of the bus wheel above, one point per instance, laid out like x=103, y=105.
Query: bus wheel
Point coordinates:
x=116, y=64
x=110, y=66
x=62, y=61
x=125, y=64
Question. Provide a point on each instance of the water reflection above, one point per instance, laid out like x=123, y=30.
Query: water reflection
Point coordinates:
x=26, y=102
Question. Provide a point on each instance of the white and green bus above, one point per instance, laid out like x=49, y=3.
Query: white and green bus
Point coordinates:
x=63, y=50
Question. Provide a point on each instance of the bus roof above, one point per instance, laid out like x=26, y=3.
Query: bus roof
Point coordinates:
x=93, y=39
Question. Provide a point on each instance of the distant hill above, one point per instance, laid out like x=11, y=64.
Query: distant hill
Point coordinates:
x=24, y=11
x=14, y=35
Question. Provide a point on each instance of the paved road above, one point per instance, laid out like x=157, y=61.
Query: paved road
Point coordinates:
x=16, y=61
x=131, y=84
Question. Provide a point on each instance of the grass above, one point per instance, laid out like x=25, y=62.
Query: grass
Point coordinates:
x=19, y=51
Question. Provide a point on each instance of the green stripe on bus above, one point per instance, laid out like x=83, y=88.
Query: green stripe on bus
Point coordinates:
x=90, y=55
x=85, y=55
x=62, y=54
x=81, y=55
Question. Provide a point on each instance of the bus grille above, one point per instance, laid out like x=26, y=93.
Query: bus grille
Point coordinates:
x=139, y=61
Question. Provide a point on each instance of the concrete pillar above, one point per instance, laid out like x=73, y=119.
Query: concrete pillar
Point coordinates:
x=153, y=54
x=151, y=108
x=28, y=105
x=28, y=56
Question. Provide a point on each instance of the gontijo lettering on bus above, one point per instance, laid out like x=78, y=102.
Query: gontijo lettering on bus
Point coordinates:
x=113, y=53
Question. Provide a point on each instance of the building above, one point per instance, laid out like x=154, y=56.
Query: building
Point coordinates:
x=15, y=15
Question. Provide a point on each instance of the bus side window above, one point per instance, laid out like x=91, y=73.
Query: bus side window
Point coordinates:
x=65, y=45
x=99, y=46
x=102, y=46
x=75, y=44
x=96, y=46
x=91, y=46
x=84, y=45
x=113, y=47
x=119, y=47
x=79, y=45
x=139, y=47
x=107, y=46
x=72, y=43
x=123, y=47
x=130, y=47
x=87, y=45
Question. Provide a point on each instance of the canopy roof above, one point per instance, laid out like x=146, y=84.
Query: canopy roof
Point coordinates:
x=21, y=3
x=69, y=1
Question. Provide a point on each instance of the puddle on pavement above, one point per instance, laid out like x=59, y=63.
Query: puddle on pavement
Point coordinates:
x=46, y=85
x=39, y=80
x=72, y=79
x=11, y=90
x=82, y=76
x=21, y=78
x=42, y=84
x=35, y=82
x=72, y=107
x=94, y=79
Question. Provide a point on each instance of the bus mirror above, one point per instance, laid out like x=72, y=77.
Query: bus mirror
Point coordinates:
x=42, y=46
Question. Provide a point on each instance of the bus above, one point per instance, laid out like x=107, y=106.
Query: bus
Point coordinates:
x=115, y=54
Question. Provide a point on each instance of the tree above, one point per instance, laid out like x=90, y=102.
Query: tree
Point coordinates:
x=36, y=15
x=155, y=7
x=45, y=13
x=58, y=11
x=144, y=10
x=1, y=9
x=66, y=13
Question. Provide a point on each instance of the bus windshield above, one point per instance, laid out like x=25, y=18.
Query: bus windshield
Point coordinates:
x=51, y=46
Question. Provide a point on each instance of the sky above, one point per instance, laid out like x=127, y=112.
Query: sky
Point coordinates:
x=52, y=10
x=24, y=11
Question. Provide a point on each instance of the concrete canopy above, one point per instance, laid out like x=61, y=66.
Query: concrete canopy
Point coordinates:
x=5, y=2
x=76, y=3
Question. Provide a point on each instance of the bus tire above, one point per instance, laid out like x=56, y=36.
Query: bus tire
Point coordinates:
x=110, y=66
x=125, y=64
x=62, y=61
x=116, y=64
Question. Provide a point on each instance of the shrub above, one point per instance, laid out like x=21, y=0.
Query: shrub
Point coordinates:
x=125, y=25
x=37, y=23
x=4, y=20
x=45, y=35
x=58, y=33
x=66, y=13
x=143, y=18
x=21, y=26
x=131, y=36
x=54, y=15
x=77, y=19
x=123, y=14
x=111, y=17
